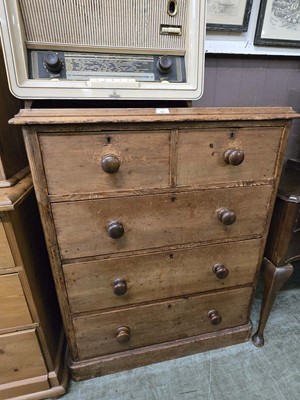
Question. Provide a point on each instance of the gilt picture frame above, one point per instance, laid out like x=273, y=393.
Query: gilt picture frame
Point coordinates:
x=278, y=23
x=228, y=15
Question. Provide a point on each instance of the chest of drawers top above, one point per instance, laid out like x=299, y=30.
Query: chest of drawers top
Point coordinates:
x=90, y=153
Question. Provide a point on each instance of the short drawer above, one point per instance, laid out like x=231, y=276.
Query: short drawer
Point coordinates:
x=77, y=163
x=21, y=358
x=101, y=284
x=206, y=156
x=85, y=228
x=140, y=326
x=6, y=259
x=14, y=311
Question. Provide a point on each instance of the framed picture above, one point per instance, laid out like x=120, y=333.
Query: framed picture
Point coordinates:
x=228, y=15
x=278, y=23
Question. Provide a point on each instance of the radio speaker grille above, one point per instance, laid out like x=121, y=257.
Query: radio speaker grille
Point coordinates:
x=132, y=24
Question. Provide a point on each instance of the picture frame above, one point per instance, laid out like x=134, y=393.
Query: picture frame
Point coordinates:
x=228, y=15
x=278, y=23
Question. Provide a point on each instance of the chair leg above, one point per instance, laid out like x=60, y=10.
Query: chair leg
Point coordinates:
x=274, y=279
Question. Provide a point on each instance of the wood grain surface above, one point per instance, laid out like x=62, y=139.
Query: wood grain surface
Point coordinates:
x=21, y=357
x=73, y=162
x=6, y=259
x=161, y=322
x=158, y=220
x=14, y=311
x=158, y=276
x=138, y=115
x=200, y=155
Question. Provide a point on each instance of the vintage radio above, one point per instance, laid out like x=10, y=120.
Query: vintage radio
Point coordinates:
x=104, y=49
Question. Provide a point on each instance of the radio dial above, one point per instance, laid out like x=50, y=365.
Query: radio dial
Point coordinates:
x=53, y=62
x=164, y=64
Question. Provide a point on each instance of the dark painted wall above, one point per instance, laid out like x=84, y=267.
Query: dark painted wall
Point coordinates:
x=247, y=81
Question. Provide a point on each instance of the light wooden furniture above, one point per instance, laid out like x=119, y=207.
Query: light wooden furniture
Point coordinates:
x=283, y=244
x=13, y=160
x=32, y=351
x=156, y=221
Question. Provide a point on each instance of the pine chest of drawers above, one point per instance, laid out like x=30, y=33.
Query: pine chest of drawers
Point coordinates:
x=32, y=351
x=156, y=221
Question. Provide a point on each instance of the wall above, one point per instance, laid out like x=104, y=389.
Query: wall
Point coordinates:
x=252, y=81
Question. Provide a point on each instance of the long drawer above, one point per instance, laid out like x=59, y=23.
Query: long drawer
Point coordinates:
x=116, y=282
x=84, y=227
x=73, y=163
x=119, y=330
x=14, y=311
x=21, y=358
x=203, y=160
x=6, y=259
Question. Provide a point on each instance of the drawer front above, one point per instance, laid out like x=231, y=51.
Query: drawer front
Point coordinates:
x=118, y=282
x=157, y=323
x=6, y=259
x=73, y=162
x=13, y=307
x=157, y=221
x=21, y=358
x=201, y=155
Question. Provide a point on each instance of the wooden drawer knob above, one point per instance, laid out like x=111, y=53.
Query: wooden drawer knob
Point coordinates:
x=226, y=216
x=120, y=287
x=220, y=271
x=115, y=229
x=110, y=164
x=234, y=156
x=123, y=334
x=214, y=317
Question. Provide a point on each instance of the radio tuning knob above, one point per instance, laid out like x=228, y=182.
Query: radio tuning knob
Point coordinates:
x=53, y=62
x=164, y=64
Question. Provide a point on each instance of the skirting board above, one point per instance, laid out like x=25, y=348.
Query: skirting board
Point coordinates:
x=157, y=353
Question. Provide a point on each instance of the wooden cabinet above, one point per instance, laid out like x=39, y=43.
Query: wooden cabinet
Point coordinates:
x=32, y=348
x=155, y=223
x=283, y=244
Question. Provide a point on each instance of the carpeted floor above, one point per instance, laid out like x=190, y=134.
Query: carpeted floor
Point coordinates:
x=241, y=372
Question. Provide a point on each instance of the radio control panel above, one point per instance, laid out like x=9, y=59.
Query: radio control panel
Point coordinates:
x=77, y=66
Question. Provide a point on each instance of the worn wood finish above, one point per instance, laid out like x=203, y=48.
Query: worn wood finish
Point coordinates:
x=161, y=322
x=36, y=167
x=157, y=353
x=139, y=115
x=157, y=276
x=201, y=155
x=144, y=161
x=21, y=357
x=31, y=339
x=12, y=197
x=158, y=220
x=123, y=250
x=6, y=259
x=13, y=307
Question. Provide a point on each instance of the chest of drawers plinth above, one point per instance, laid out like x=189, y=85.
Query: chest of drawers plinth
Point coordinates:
x=155, y=225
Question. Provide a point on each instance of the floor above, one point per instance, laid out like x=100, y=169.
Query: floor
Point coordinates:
x=233, y=373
